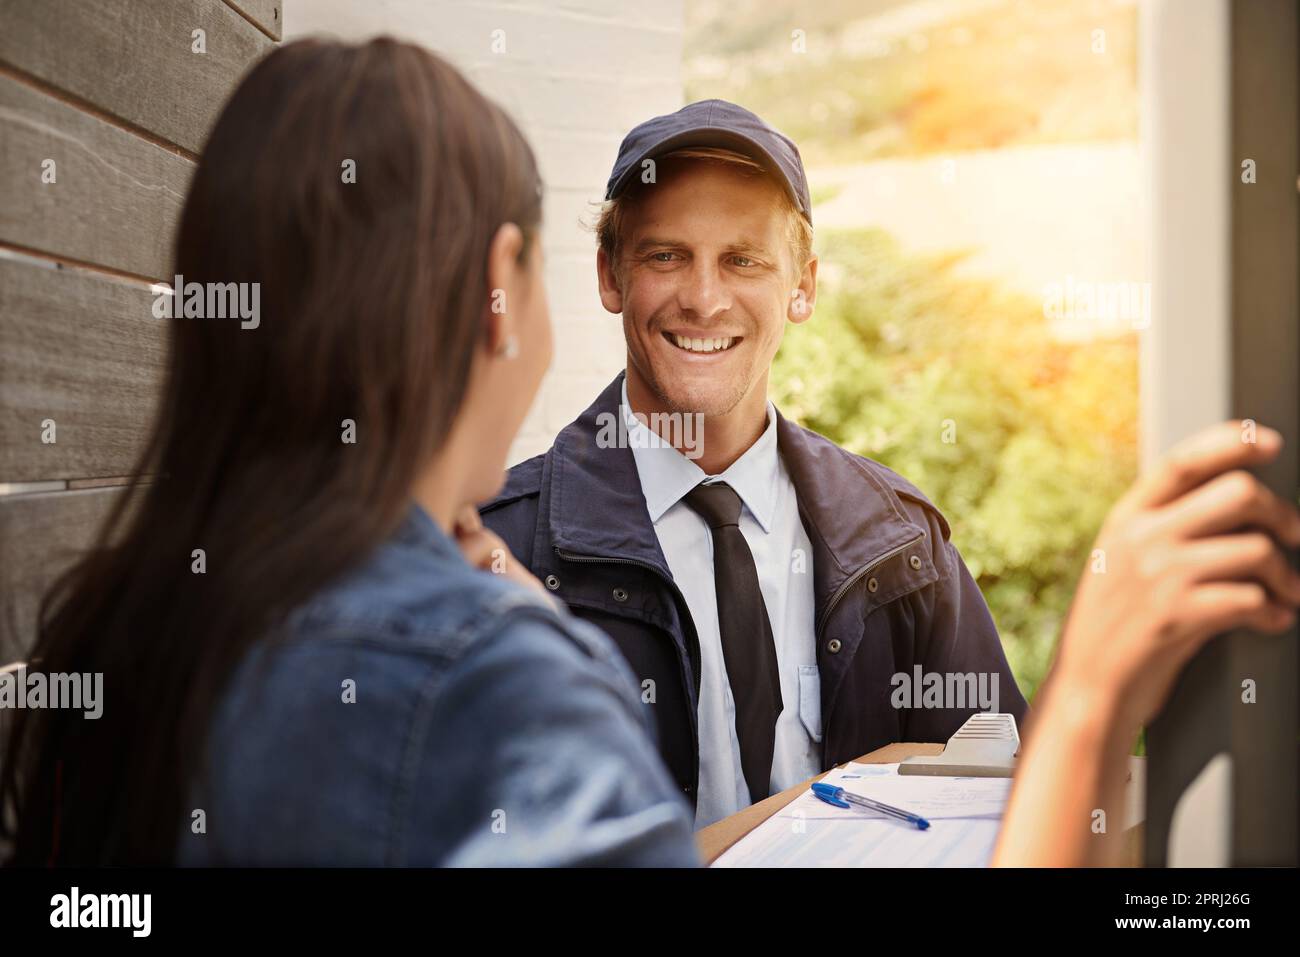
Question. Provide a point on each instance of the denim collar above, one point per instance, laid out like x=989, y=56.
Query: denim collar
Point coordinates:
x=419, y=529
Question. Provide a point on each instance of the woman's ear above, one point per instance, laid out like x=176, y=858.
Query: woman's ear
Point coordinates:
x=505, y=275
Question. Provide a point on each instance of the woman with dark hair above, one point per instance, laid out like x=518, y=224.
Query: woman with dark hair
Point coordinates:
x=306, y=656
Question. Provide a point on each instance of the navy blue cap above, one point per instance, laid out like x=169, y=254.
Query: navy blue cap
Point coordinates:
x=713, y=123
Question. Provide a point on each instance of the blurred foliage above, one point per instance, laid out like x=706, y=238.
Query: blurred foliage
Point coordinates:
x=885, y=78
x=903, y=352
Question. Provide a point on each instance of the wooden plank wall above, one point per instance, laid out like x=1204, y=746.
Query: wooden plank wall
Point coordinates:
x=111, y=98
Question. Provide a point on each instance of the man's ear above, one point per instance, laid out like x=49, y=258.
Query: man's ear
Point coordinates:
x=804, y=295
x=611, y=296
x=504, y=272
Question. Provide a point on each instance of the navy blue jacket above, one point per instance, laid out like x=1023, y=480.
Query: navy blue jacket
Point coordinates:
x=891, y=590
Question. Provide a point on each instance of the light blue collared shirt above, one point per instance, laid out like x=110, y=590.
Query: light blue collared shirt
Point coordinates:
x=783, y=557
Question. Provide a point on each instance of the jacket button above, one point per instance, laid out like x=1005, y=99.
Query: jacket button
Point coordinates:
x=834, y=646
x=915, y=561
x=872, y=585
x=552, y=582
x=620, y=594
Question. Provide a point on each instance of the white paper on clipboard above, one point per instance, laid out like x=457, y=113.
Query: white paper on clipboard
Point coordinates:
x=964, y=813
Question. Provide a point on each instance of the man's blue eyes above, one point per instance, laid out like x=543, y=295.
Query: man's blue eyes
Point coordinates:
x=742, y=261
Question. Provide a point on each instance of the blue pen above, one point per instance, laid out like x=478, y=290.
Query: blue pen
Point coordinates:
x=839, y=797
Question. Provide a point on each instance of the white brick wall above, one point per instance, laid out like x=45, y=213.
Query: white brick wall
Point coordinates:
x=576, y=75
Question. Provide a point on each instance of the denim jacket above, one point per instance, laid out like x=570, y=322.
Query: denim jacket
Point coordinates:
x=422, y=712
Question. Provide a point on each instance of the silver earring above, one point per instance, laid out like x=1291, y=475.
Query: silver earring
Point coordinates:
x=509, y=348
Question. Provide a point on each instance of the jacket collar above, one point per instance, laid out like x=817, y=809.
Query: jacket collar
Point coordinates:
x=596, y=507
x=851, y=515
x=595, y=503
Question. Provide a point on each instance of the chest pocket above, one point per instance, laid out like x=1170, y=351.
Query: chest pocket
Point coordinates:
x=810, y=701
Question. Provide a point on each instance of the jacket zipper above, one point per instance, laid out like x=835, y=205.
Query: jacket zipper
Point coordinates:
x=693, y=645
x=855, y=578
x=835, y=599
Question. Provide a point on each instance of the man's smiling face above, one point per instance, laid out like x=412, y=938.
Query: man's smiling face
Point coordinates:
x=705, y=286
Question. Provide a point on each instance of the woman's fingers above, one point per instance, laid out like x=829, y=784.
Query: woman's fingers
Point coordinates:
x=1201, y=457
x=481, y=547
x=1251, y=556
x=468, y=520
x=1231, y=501
x=1197, y=545
x=1223, y=606
x=484, y=549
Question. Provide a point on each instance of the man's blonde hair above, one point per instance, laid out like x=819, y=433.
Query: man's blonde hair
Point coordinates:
x=610, y=224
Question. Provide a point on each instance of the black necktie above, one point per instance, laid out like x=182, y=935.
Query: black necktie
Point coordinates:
x=747, y=646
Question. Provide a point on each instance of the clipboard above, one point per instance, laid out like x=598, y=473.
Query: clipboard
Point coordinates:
x=984, y=747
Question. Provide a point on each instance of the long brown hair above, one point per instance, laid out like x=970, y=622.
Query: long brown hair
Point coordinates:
x=372, y=298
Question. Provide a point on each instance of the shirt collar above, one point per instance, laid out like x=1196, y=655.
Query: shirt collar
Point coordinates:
x=667, y=475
